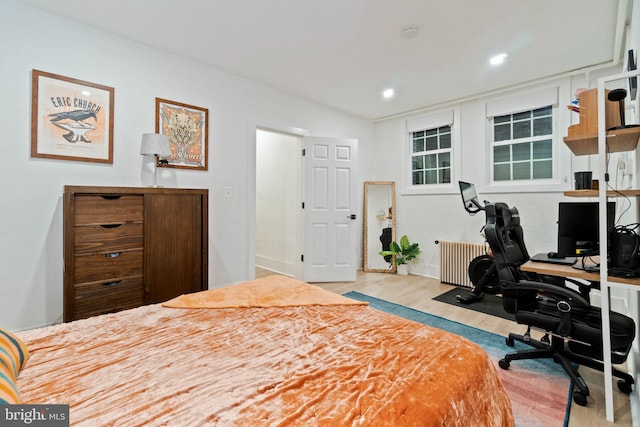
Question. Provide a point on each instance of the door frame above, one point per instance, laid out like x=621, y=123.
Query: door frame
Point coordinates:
x=251, y=187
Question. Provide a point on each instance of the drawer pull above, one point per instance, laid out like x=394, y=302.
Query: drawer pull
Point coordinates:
x=110, y=225
x=112, y=254
x=111, y=197
x=115, y=282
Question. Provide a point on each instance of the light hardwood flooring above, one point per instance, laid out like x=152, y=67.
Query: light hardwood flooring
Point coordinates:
x=416, y=292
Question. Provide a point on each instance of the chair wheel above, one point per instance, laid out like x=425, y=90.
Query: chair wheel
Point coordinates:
x=504, y=364
x=579, y=398
x=624, y=386
x=509, y=341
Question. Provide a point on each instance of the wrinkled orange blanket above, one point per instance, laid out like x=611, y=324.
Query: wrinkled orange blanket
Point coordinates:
x=270, y=291
x=343, y=365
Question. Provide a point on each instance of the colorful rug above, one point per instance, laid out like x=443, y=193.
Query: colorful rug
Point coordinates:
x=540, y=391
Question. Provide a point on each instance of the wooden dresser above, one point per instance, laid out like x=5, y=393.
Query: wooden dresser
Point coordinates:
x=126, y=246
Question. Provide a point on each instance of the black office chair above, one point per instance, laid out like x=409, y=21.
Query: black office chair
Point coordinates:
x=558, y=311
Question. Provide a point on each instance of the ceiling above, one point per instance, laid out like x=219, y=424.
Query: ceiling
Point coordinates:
x=344, y=53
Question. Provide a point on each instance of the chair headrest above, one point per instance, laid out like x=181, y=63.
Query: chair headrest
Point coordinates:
x=511, y=216
x=502, y=213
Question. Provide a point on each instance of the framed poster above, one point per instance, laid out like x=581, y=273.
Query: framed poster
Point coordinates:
x=71, y=119
x=187, y=127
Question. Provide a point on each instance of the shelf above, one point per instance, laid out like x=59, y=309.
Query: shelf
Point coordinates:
x=617, y=141
x=594, y=193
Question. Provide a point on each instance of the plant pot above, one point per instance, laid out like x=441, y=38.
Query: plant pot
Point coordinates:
x=402, y=269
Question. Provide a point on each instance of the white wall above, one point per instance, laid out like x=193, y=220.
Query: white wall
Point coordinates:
x=31, y=263
x=30, y=189
x=429, y=217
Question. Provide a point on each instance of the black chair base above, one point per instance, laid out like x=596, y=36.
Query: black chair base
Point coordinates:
x=556, y=350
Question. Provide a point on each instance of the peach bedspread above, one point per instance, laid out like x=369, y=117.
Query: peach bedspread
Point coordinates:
x=270, y=291
x=343, y=365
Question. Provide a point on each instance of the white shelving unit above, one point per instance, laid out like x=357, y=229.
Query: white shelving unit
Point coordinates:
x=605, y=284
x=602, y=143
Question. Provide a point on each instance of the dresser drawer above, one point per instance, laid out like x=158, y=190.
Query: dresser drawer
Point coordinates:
x=106, y=209
x=108, y=238
x=96, y=298
x=94, y=267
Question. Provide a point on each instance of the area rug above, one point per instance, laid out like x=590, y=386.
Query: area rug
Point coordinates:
x=540, y=391
x=489, y=304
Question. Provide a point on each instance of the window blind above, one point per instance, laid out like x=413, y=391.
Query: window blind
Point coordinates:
x=523, y=102
x=430, y=121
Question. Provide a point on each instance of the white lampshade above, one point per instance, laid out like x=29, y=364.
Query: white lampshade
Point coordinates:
x=155, y=144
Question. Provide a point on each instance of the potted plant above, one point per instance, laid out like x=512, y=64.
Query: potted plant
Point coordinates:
x=402, y=253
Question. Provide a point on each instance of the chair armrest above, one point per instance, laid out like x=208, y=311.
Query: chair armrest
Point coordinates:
x=555, y=280
x=549, y=289
x=580, y=284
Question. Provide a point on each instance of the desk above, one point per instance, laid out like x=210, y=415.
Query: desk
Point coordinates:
x=551, y=269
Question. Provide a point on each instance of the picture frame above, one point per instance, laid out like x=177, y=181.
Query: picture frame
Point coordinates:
x=187, y=127
x=71, y=119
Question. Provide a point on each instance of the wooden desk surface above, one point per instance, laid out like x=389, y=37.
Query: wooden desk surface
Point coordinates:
x=567, y=271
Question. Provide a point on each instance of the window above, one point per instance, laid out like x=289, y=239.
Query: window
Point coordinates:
x=431, y=156
x=430, y=148
x=522, y=135
x=523, y=145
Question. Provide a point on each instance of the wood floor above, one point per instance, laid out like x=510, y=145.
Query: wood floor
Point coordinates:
x=416, y=292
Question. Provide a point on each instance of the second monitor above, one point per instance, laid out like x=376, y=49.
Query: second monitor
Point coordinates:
x=578, y=227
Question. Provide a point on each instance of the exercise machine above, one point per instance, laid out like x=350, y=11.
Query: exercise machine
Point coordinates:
x=482, y=270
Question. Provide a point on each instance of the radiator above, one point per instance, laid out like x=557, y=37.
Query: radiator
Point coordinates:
x=454, y=261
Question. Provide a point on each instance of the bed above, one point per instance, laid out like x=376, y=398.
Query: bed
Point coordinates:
x=269, y=352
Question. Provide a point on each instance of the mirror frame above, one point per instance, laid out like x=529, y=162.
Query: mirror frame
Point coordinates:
x=365, y=222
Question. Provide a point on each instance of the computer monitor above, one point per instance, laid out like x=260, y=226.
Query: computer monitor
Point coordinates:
x=469, y=197
x=578, y=227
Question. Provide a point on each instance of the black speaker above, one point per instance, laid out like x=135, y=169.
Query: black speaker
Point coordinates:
x=624, y=246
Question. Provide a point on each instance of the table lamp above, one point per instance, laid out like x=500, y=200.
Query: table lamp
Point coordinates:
x=156, y=145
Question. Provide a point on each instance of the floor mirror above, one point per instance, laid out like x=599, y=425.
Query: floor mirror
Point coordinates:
x=379, y=224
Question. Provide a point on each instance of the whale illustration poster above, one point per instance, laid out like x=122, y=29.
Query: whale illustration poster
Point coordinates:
x=71, y=119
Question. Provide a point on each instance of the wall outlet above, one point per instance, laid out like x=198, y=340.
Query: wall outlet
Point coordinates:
x=622, y=165
x=228, y=192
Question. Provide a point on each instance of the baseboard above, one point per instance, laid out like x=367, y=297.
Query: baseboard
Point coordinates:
x=275, y=265
x=427, y=270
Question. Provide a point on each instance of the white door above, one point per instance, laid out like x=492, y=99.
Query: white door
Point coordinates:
x=330, y=206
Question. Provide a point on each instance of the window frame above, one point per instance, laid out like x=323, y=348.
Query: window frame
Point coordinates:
x=436, y=133
x=432, y=120
x=514, y=141
x=527, y=100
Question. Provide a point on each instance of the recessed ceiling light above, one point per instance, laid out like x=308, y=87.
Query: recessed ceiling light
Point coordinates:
x=410, y=32
x=498, y=59
x=388, y=93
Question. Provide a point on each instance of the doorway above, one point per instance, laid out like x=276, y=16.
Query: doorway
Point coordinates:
x=278, y=201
